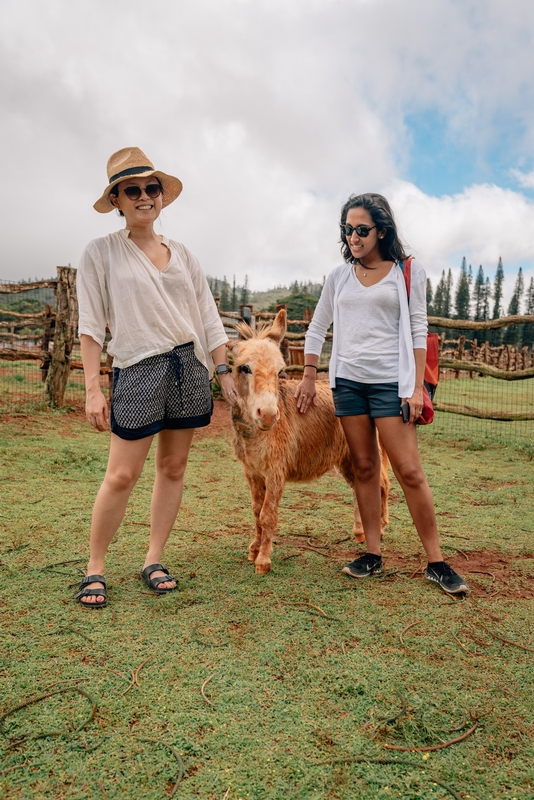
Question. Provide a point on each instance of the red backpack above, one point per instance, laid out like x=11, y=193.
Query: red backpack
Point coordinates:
x=431, y=378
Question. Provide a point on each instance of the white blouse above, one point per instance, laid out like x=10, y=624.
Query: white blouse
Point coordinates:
x=148, y=311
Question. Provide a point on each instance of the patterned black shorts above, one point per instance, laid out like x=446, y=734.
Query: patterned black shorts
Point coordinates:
x=171, y=390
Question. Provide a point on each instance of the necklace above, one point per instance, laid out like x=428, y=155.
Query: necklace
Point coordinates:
x=371, y=269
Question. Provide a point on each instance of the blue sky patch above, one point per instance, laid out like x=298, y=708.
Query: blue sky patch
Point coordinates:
x=443, y=162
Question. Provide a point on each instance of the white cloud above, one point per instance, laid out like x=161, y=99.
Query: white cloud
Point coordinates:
x=525, y=179
x=271, y=113
x=481, y=223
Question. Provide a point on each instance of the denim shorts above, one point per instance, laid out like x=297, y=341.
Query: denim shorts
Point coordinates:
x=167, y=391
x=352, y=398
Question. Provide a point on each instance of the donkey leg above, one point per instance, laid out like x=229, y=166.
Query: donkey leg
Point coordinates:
x=268, y=521
x=384, y=486
x=357, y=528
x=257, y=491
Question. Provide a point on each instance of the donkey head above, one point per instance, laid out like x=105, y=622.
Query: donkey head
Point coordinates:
x=258, y=363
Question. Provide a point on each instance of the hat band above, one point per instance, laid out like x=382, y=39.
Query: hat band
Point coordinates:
x=131, y=171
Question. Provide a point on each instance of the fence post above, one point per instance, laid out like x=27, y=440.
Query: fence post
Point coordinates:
x=64, y=333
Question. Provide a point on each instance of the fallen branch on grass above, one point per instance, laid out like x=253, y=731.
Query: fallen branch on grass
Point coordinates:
x=436, y=746
x=310, y=605
x=202, y=690
x=134, y=680
x=407, y=628
x=419, y=568
x=479, y=641
x=481, y=572
x=452, y=547
x=313, y=549
x=383, y=723
x=464, y=647
x=26, y=703
x=176, y=754
x=508, y=641
x=50, y=567
x=70, y=630
x=391, y=761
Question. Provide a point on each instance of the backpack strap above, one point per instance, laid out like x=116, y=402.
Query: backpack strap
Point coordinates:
x=406, y=267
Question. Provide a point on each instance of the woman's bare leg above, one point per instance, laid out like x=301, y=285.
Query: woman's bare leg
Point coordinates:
x=360, y=433
x=125, y=464
x=400, y=443
x=171, y=460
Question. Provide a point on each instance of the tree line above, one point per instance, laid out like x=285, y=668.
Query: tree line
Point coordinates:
x=476, y=298
x=230, y=297
x=473, y=297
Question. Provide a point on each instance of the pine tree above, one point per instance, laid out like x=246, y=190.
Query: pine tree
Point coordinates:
x=495, y=337
x=429, y=306
x=215, y=288
x=515, y=302
x=487, y=299
x=233, y=300
x=479, y=295
x=527, y=333
x=497, y=290
x=461, y=299
x=447, y=296
x=224, y=295
x=512, y=334
x=245, y=294
x=439, y=296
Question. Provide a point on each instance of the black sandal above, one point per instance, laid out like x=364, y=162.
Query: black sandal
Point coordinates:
x=102, y=591
x=153, y=583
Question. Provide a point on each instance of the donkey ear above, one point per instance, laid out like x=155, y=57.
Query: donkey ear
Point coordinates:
x=279, y=327
x=231, y=343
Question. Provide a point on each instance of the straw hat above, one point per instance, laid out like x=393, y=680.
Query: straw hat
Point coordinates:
x=131, y=162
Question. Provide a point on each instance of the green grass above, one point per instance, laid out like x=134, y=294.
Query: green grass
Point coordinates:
x=296, y=695
x=488, y=393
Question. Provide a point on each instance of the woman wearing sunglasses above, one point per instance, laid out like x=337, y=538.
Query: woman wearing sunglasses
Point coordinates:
x=166, y=337
x=377, y=363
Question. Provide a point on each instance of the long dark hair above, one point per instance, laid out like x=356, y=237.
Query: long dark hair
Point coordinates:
x=390, y=246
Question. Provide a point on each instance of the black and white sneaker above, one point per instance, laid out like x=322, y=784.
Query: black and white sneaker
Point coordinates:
x=446, y=578
x=363, y=567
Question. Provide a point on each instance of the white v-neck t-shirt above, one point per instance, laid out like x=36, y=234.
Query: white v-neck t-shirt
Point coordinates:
x=368, y=344
x=148, y=311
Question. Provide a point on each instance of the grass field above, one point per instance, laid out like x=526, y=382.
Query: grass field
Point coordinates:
x=291, y=686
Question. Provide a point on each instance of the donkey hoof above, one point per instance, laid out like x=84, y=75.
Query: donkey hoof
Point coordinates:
x=263, y=569
x=358, y=535
x=252, y=555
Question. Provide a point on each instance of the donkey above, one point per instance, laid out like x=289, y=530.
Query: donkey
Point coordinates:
x=276, y=443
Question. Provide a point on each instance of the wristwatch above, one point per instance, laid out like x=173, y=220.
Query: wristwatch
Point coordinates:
x=222, y=369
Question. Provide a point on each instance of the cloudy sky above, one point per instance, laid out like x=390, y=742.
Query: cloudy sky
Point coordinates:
x=272, y=112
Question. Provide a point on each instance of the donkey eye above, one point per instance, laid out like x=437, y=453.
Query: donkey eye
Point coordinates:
x=246, y=369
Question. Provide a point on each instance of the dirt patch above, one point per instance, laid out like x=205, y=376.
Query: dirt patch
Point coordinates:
x=488, y=572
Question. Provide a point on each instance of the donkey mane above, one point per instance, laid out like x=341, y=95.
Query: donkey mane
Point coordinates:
x=262, y=330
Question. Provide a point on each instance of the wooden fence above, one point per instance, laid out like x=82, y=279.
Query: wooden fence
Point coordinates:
x=52, y=337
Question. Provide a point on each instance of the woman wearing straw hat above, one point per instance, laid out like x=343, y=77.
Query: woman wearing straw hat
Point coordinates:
x=166, y=337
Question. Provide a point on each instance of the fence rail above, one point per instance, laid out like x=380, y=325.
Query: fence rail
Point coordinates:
x=47, y=336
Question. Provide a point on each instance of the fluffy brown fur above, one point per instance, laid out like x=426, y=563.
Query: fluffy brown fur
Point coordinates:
x=276, y=443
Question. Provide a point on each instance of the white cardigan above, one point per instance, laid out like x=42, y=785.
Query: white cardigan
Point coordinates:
x=413, y=323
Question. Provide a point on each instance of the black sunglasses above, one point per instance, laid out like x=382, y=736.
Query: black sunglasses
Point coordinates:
x=153, y=190
x=362, y=230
